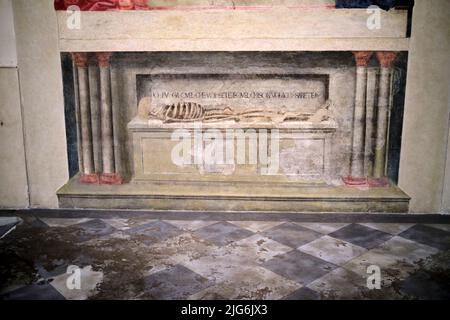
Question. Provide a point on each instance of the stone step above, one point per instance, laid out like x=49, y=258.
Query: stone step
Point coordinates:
x=215, y=196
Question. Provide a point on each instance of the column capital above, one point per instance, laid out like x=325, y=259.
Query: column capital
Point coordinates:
x=81, y=59
x=386, y=58
x=104, y=59
x=362, y=57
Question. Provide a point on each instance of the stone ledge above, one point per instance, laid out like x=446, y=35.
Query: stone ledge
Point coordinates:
x=232, y=197
x=275, y=29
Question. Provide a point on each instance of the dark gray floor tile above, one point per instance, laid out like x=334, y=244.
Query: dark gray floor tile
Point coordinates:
x=291, y=234
x=361, y=235
x=34, y=292
x=222, y=233
x=298, y=266
x=90, y=229
x=155, y=231
x=421, y=285
x=430, y=236
x=303, y=293
x=176, y=283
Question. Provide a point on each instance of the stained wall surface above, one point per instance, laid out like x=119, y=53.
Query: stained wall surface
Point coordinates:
x=424, y=142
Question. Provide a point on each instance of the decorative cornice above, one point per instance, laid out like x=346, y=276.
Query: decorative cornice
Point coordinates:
x=81, y=59
x=362, y=58
x=386, y=58
x=104, y=59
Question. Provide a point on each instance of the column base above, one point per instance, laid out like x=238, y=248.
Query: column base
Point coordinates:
x=366, y=182
x=378, y=182
x=355, y=181
x=91, y=178
x=111, y=178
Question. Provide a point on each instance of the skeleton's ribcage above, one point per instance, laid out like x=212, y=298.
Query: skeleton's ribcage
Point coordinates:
x=184, y=111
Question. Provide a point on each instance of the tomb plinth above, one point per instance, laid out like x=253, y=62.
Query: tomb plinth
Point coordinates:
x=283, y=131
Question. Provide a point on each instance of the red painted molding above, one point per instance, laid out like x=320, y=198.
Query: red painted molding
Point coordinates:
x=81, y=59
x=386, y=58
x=359, y=182
x=104, y=59
x=92, y=178
x=111, y=178
x=355, y=181
x=107, y=5
x=362, y=57
x=102, y=5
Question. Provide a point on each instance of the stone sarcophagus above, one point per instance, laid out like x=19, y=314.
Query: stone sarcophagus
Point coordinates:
x=235, y=131
x=254, y=128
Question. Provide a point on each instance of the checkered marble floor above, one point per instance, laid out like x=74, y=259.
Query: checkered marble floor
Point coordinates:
x=146, y=258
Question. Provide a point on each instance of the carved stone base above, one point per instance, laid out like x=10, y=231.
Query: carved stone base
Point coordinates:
x=378, y=182
x=366, y=182
x=111, y=178
x=355, y=181
x=220, y=197
x=89, y=178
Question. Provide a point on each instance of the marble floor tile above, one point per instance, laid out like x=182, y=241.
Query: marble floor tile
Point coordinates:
x=299, y=267
x=445, y=227
x=89, y=280
x=34, y=292
x=256, y=248
x=324, y=228
x=304, y=293
x=391, y=228
x=126, y=224
x=153, y=232
x=332, y=250
x=141, y=258
x=361, y=235
x=430, y=236
x=422, y=286
x=396, y=258
x=250, y=284
x=220, y=264
x=90, y=229
x=180, y=249
x=190, y=225
x=291, y=234
x=257, y=226
x=340, y=284
x=222, y=233
x=175, y=283
x=61, y=222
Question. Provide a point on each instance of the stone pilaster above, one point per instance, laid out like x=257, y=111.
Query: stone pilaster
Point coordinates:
x=386, y=58
x=359, y=120
x=88, y=174
x=109, y=175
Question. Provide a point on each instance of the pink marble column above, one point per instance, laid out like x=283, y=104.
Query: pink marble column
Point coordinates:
x=109, y=174
x=87, y=168
x=359, y=121
x=386, y=59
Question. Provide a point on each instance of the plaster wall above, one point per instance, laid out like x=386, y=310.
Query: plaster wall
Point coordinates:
x=13, y=182
x=426, y=119
x=424, y=143
x=41, y=90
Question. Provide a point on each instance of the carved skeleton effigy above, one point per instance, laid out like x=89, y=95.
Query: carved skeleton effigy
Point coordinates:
x=191, y=112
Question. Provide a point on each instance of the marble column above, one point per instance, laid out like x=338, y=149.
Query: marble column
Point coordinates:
x=88, y=174
x=109, y=175
x=369, y=151
x=359, y=120
x=94, y=88
x=386, y=58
